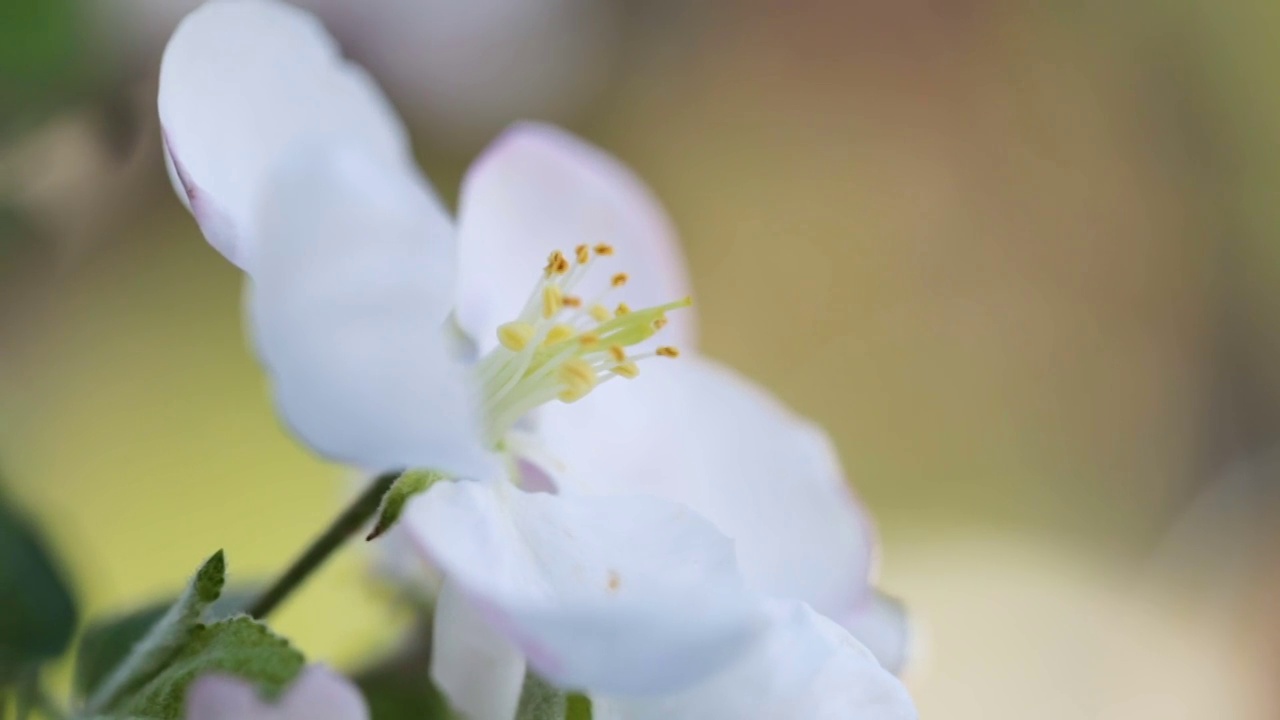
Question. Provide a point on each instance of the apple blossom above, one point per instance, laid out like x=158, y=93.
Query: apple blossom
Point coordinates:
x=683, y=497
x=317, y=694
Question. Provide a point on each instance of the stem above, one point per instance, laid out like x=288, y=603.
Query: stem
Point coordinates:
x=343, y=527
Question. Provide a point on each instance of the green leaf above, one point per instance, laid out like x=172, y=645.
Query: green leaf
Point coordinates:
x=237, y=646
x=105, y=643
x=409, y=484
x=579, y=708
x=540, y=700
x=165, y=637
x=37, y=610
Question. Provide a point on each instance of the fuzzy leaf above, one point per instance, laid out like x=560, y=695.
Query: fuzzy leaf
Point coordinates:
x=164, y=638
x=238, y=646
x=579, y=708
x=105, y=643
x=539, y=700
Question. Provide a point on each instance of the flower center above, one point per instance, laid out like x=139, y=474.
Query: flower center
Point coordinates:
x=562, y=347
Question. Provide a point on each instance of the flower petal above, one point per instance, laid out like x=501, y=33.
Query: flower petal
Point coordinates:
x=348, y=301
x=317, y=694
x=538, y=189
x=694, y=432
x=619, y=594
x=805, y=668
x=882, y=625
x=480, y=671
x=240, y=83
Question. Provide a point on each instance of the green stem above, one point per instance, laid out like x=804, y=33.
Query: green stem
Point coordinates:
x=343, y=527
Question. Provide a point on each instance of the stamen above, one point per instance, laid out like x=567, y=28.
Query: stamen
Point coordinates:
x=552, y=301
x=557, y=264
x=549, y=353
x=515, y=336
x=600, y=313
x=559, y=333
x=579, y=379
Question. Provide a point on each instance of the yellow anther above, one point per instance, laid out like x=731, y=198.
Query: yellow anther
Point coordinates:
x=604, y=250
x=623, y=309
x=557, y=264
x=572, y=301
x=617, y=353
x=600, y=313
x=515, y=335
x=578, y=377
x=667, y=351
x=659, y=322
x=583, y=254
x=619, y=280
x=627, y=370
x=559, y=333
x=552, y=301
x=589, y=338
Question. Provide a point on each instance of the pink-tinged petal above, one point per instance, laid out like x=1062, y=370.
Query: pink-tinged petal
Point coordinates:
x=626, y=594
x=243, y=81
x=694, y=432
x=222, y=697
x=479, y=671
x=538, y=189
x=317, y=694
x=322, y=694
x=347, y=305
x=882, y=624
x=805, y=668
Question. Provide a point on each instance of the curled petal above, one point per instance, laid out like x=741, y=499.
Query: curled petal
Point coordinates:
x=632, y=595
x=243, y=81
x=317, y=694
x=804, y=668
x=347, y=307
x=479, y=670
x=881, y=623
x=694, y=432
x=537, y=189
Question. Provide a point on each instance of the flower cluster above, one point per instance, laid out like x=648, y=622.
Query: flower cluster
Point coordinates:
x=624, y=517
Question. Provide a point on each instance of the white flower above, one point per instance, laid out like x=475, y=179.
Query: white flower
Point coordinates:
x=317, y=694
x=686, y=495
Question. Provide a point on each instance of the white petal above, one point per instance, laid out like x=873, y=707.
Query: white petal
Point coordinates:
x=614, y=594
x=317, y=694
x=241, y=82
x=347, y=306
x=222, y=697
x=479, y=671
x=881, y=624
x=694, y=432
x=805, y=668
x=538, y=189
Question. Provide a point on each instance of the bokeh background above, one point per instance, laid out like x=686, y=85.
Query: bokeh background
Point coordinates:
x=1021, y=258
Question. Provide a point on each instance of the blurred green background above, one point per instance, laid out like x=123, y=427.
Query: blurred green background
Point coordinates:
x=1022, y=259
